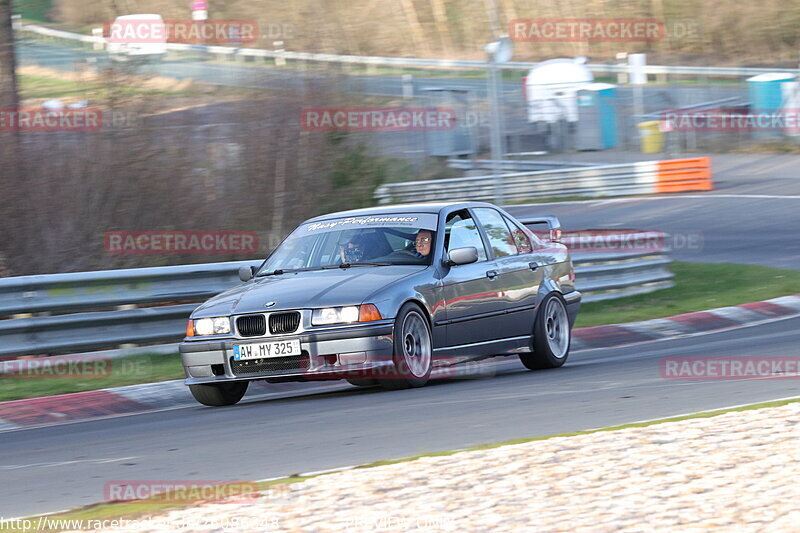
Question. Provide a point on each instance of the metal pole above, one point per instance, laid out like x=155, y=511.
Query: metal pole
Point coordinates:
x=408, y=86
x=496, y=138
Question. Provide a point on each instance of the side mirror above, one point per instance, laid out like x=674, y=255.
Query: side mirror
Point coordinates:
x=246, y=273
x=462, y=256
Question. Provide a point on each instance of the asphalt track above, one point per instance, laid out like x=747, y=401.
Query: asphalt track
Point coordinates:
x=752, y=217
x=704, y=228
x=255, y=75
x=48, y=469
x=54, y=468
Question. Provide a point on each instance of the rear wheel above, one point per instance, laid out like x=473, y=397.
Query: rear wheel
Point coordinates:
x=219, y=394
x=551, y=335
x=412, y=350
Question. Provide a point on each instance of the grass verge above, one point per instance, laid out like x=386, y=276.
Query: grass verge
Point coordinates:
x=698, y=286
x=47, y=87
x=35, y=86
x=119, y=372
x=142, y=509
x=32, y=10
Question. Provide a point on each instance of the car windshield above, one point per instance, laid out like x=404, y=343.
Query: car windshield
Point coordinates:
x=373, y=240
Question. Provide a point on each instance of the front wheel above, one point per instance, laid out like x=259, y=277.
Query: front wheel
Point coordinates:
x=219, y=394
x=551, y=335
x=412, y=350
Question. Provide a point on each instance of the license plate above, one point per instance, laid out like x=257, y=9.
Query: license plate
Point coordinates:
x=243, y=352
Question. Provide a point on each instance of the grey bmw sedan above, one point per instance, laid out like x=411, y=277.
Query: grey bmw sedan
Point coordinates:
x=384, y=295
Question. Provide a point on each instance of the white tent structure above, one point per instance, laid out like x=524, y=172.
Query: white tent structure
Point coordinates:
x=551, y=88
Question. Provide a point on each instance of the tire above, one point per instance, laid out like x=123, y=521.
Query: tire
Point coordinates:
x=413, y=350
x=219, y=394
x=362, y=382
x=551, y=335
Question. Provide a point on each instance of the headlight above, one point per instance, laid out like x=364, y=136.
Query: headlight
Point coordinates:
x=212, y=326
x=345, y=315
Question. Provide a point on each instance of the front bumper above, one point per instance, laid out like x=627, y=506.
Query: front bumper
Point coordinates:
x=329, y=353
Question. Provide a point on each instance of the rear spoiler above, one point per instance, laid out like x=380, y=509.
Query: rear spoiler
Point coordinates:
x=553, y=225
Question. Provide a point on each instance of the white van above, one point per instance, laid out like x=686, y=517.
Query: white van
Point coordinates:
x=136, y=36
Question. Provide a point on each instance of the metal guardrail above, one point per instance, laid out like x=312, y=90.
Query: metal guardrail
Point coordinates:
x=644, y=177
x=512, y=164
x=107, y=288
x=76, y=293
x=601, y=276
x=608, y=276
x=87, y=331
x=281, y=56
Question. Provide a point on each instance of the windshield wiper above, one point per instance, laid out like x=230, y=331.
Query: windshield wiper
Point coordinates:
x=349, y=265
x=279, y=271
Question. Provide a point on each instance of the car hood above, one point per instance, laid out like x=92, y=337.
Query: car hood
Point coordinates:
x=297, y=290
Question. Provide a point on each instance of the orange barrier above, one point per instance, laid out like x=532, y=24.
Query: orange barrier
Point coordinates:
x=677, y=175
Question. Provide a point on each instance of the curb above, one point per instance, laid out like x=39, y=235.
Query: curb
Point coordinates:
x=685, y=324
x=149, y=397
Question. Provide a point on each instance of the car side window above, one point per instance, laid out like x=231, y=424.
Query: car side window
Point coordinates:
x=521, y=238
x=461, y=232
x=500, y=238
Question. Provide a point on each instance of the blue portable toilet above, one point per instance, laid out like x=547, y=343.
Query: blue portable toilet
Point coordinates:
x=597, y=117
x=767, y=96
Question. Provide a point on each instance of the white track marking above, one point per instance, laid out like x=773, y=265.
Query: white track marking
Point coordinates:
x=728, y=408
x=65, y=463
x=666, y=197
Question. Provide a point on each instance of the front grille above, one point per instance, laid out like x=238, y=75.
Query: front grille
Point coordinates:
x=281, y=323
x=251, y=325
x=272, y=365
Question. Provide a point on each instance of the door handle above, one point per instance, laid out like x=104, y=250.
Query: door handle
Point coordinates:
x=491, y=274
x=533, y=266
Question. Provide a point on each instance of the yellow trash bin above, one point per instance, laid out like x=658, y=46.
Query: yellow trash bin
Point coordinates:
x=651, y=137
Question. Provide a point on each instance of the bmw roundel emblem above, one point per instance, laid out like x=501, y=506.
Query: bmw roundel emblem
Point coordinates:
x=270, y=304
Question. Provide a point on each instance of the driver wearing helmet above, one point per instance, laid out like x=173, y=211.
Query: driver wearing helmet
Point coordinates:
x=353, y=250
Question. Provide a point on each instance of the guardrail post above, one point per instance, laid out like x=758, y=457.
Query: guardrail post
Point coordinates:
x=98, y=34
x=408, y=86
x=622, y=61
x=280, y=60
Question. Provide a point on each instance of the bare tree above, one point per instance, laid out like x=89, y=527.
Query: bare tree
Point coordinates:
x=11, y=173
